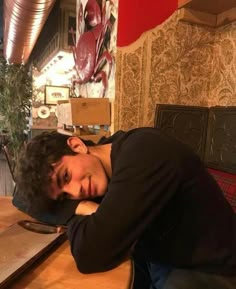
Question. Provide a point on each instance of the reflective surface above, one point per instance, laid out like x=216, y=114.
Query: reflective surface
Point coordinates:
x=23, y=22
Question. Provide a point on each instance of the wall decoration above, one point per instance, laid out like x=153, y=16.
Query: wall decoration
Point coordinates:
x=55, y=93
x=43, y=111
x=91, y=48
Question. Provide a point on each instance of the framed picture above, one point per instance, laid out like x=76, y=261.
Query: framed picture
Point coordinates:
x=55, y=93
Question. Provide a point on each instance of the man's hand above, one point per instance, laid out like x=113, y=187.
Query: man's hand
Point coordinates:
x=86, y=208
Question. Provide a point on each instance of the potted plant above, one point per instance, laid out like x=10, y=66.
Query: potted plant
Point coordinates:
x=15, y=103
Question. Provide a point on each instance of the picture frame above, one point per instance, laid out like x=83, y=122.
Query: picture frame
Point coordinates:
x=54, y=93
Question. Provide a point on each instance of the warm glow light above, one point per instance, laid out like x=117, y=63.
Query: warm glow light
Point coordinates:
x=9, y=46
x=23, y=21
x=58, y=71
x=62, y=62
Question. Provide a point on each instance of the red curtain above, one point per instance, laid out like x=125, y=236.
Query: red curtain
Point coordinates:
x=136, y=17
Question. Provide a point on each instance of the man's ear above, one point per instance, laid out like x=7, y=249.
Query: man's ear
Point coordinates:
x=77, y=145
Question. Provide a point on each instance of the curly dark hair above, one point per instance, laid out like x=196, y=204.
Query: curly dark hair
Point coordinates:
x=34, y=168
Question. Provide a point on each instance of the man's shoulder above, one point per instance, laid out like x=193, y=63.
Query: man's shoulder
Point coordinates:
x=112, y=138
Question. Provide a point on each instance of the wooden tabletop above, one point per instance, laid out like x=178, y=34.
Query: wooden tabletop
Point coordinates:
x=57, y=270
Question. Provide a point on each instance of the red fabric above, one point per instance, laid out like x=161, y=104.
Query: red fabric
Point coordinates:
x=136, y=17
x=227, y=183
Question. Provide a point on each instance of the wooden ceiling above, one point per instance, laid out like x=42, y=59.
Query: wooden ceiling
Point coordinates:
x=207, y=12
x=212, y=7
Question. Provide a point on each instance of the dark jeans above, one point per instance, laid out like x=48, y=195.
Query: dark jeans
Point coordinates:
x=150, y=275
x=187, y=279
x=156, y=276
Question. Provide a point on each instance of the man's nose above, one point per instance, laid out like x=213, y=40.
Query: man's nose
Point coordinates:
x=72, y=190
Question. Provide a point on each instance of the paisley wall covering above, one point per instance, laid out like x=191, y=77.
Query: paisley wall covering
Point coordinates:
x=174, y=63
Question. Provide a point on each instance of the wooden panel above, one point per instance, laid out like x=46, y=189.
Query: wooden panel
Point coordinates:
x=203, y=18
x=206, y=12
x=226, y=17
x=19, y=248
x=198, y=17
x=212, y=7
x=58, y=270
x=211, y=132
x=221, y=139
x=186, y=123
x=182, y=3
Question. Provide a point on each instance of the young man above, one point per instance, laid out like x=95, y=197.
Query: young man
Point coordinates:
x=159, y=205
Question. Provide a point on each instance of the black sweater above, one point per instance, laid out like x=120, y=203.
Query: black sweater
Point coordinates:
x=162, y=205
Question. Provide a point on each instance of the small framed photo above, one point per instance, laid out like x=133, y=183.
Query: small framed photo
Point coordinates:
x=55, y=93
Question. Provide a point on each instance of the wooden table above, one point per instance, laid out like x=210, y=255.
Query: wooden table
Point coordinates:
x=57, y=269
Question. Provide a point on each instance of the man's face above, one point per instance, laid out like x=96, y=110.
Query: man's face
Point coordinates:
x=81, y=176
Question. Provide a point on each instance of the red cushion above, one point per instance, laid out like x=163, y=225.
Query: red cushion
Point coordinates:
x=227, y=183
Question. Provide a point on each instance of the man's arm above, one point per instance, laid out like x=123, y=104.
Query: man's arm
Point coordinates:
x=101, y=240
x=139, y=189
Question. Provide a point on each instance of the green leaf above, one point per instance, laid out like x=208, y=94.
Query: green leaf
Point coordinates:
x=15, y=102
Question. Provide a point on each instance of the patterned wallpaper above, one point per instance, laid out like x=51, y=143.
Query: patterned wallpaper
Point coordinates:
x=223, y=74
x=175, y=63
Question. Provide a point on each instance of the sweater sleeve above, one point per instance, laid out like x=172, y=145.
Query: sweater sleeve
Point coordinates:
x=59, y=213
x=142, y=183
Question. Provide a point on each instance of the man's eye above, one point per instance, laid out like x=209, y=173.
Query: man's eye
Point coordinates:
x=66, y=177
x=63, y=196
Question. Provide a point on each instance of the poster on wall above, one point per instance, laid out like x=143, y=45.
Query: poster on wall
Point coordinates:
x=104, y=22
x=55, y=93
